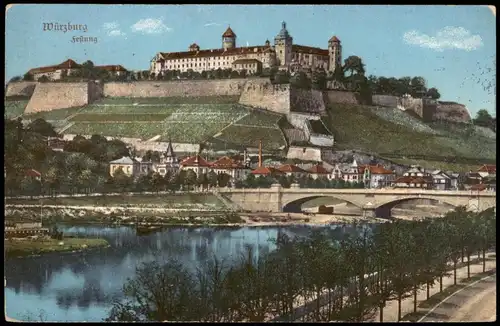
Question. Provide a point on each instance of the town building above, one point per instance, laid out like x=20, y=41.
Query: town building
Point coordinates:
x=415, y=177
x=66, y=68
x=56, y=144
x=487, y=170
x=292, y=170
x=55, y=72
x=169, y=163
x=376, y=176
x=132, y=167
x=319, y=171
x=284, y=54
x=266, y=171
x=196, y=163
x=441, y=180
x=235, y=169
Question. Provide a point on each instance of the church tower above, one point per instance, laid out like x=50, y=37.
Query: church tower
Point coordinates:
x=283, y=46
x=334, y=53
x=228, y=39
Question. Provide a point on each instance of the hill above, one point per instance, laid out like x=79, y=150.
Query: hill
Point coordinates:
x=394, y=134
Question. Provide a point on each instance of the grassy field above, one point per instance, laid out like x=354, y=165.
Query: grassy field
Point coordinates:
x=272, y=138
x=60, y=114
x=161, y=201
x=25, y=247
x=14, y=108
x=356, y=127
x=445, y=166
x=260, y=118
x=143, y=130
x=114, y=117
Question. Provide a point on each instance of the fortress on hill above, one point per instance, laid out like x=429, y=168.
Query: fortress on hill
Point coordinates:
x=283, y=55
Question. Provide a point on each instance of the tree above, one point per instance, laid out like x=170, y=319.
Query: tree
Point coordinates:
x=121, y=180
x=212, y=179
x=202, y=180
x=354, y=65
x=157, y=182
x=338, y=74
x=301, y=80
x=483, y=118
x=280, y=77
x=42, y=127
x=43, y=79
x=433, y=93
x=418, y=88
x=250, y=181
x=158, y=293
x=223, y=180
x=190, y=179
x=319, y=80
x=15, y=79
x=28, y=77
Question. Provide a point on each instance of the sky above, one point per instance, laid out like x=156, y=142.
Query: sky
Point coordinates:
x=452, y=47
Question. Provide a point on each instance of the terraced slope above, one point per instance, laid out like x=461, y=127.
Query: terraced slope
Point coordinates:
x=146, y=118
x=257, y=125
x=15, y=108
x=357, y=127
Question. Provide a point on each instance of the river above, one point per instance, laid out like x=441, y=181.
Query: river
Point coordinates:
x=82, y=286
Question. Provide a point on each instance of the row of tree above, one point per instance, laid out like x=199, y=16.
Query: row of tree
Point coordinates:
x=346, y=274
x=484, y=119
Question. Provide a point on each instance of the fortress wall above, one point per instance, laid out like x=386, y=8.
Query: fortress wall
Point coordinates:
x=451, y=111
x=53, y=96
x=413, y=104
x=261, y=93
x=341, y=97
x=299, y=121
x=307, y=100
x=22, y=88
x=229, y=87
x=321, y=140
x=95, y=91
x=304, y=153
x=385, y=100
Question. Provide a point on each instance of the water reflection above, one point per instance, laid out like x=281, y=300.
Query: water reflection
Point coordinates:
x=82, y=286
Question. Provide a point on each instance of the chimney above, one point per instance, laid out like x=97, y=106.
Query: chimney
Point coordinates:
x=260, y=153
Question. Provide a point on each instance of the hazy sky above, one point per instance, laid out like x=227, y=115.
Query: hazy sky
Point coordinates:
x=452, y=47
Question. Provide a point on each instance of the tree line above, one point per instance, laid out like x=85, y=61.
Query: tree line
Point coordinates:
x=484, y=119
x=345, y=274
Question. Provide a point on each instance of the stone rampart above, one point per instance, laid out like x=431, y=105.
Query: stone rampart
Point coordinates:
x=307, y=101
x=304, y=153
x=53, y=96
x=451, y=111
x=182, y=88
x=261, y=93
x=340, y=97
x=22, y=89
x=385, y=100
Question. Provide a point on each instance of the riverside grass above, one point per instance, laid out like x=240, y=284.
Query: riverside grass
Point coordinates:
x=28, y=247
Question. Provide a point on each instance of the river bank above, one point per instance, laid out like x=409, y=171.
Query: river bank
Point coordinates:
x=169, y=217
x=25, y=247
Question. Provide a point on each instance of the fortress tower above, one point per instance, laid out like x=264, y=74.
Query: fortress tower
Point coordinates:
x=228, y=39
x=283, y=46
x=334, y=53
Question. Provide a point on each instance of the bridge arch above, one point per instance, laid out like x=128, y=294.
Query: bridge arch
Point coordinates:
x=295, y=205
x=383, y=209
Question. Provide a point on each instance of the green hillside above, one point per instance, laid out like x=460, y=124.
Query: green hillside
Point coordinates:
x=365, y=129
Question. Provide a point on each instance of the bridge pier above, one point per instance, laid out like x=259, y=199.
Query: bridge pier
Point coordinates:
x=369, y=212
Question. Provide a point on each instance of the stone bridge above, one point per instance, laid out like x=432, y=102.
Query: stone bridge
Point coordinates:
x=373, y=202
